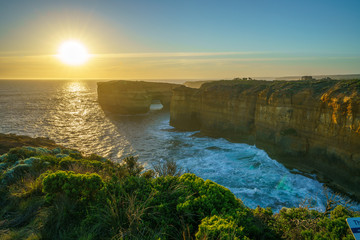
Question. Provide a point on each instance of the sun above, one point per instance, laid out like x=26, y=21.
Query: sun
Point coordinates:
x=73, y=52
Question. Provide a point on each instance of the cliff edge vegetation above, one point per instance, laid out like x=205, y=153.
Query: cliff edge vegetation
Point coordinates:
x=311, y=125
x=8, y=141
x=60, y=193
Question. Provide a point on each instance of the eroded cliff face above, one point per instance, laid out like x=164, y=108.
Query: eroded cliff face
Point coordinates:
x=133, y=97
x=310, y=125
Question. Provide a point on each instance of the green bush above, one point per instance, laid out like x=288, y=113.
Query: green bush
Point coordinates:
x=166, y=192
x=258, y=223
x=291, y=222
x=336, y=227
x=19, y=153
x=132, y=166
x=33, y=166
x=67, y=162
x=95, y=157
x=51, y=159
x=15, y=173
x=206, y=198
x=215, y=227
x=302, y=223
x=122, y=212
x=147, y=174
x=339, y=212
x=83, y=187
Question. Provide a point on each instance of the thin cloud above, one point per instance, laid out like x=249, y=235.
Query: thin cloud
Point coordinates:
x=174, y=54
x=12, y=56
x=27, y=57
x=234, y=60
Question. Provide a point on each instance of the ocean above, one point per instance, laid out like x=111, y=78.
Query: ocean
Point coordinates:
x=68, y=113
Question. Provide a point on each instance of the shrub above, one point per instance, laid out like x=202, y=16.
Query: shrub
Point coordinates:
x=340, y=211
x=132, y=166
x=15, y=173
x=215, y=227
x=123, y=211
x=75, y=155
x=206, y=198
x=167, y=168
x=139, y=186
x=19, y=153
x=336, y=227
x=32, y=165
x=203, y=199
x=51, y=159
x=302, y=223
x=165, y=197
x=83, y=187
x=258, y=222
x=56, y=150
x=61, y=219
x=96, y=157
x=147, y=174
x=67, y=162
x=291, y=222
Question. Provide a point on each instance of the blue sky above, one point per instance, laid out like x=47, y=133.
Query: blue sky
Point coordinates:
x=240, y=38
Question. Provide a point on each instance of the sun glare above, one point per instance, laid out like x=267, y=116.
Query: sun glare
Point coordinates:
x=73, y=53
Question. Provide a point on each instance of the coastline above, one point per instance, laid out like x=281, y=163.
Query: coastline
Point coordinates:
x=307, y=125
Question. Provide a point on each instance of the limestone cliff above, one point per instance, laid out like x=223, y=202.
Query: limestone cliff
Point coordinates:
x=133, y=97
x=310, y=125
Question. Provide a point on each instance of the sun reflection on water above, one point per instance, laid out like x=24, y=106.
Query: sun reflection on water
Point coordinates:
x=74, y=110
x=76, y=86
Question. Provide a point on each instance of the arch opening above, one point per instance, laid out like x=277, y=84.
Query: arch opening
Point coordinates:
x=156, y=105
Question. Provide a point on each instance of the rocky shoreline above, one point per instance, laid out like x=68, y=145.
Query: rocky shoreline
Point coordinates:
x=309, y=125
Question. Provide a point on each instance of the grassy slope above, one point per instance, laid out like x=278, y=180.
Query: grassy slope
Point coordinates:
x=62, y=194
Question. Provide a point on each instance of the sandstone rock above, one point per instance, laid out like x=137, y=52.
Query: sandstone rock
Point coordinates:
x=133, y=97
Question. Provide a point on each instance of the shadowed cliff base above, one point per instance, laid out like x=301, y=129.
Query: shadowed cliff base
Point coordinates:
x=133, y=97
x=312, y=125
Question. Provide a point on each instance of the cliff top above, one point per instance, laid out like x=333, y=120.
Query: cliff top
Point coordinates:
x=316, y=87
x=136, y=84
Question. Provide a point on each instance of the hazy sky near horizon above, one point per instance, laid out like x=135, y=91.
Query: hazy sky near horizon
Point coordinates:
x=188, y=39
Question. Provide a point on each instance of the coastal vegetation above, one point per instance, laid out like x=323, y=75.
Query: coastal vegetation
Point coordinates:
x=62, y=194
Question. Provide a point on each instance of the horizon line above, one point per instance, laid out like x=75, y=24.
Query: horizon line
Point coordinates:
x=178, y=79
